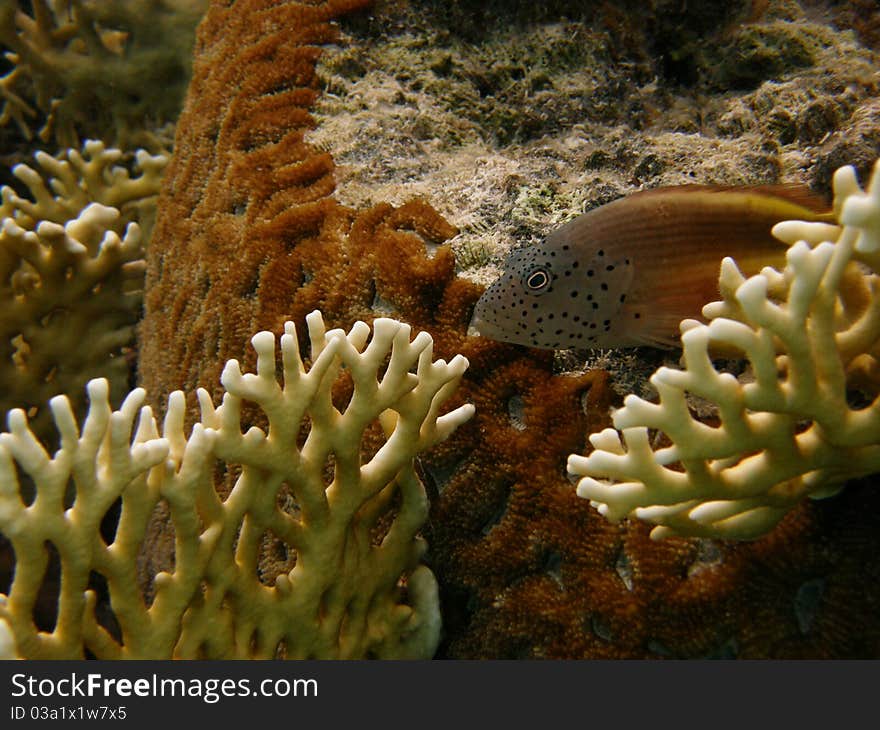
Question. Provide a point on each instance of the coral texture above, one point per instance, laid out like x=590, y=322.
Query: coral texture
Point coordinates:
x=242, y=187
x=100, y=68
x=356, y=587
x=786, y=434
x=63, y=286
x=72, y=272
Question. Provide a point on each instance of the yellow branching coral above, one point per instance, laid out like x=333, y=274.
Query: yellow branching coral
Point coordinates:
x=7, y=641
x=62, y=186
x=95, y=67
x=357, y=588
x=808, y=333
x=71, y=295
x=71, y=273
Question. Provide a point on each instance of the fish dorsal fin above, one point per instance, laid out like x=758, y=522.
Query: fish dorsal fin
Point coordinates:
x=792, y=192
x=795, y=193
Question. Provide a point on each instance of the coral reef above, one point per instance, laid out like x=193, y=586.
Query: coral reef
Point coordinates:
x=863, y=16
x=355, y=586
x=72, y=272
x=96, y=68
x=63, y=285
x=525, y=568
x=788, y=431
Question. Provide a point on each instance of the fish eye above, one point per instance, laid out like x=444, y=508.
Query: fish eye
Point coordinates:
x=537, y=279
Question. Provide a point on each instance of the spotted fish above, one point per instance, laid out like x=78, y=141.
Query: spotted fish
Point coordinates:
x=625, y=274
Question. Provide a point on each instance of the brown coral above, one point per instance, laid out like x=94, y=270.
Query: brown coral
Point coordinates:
x=248, y=236
x=246, y=196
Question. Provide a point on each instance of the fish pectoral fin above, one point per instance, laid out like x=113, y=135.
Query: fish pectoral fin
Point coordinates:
x=652, y=328
x=661, y=342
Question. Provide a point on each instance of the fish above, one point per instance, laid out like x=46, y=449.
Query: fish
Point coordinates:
x=627, y=273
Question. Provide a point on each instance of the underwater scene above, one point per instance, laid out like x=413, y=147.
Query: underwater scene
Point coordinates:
x=415, y=329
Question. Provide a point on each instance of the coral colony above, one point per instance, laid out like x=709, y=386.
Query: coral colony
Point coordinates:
x=358, y=588
x=807, y=332
x=72, y=272
x=342, y=488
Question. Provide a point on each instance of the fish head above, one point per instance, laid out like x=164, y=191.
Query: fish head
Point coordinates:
x=551, y=296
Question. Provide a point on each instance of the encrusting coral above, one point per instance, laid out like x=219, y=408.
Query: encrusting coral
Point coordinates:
x=101, y=68
x=788, y=433
x=243, y=186
x=71, y=271
x=248, y=236
x=357, y=587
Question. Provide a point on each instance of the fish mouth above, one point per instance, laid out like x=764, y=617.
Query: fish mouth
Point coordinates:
x=484, y=328
x=487, y=326
x=480, y=325
x=477, y=324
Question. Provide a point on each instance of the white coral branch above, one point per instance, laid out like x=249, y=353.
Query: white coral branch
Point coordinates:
x=356, y=587
x=72, y=272
x=61, y=187
x=789, y=433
